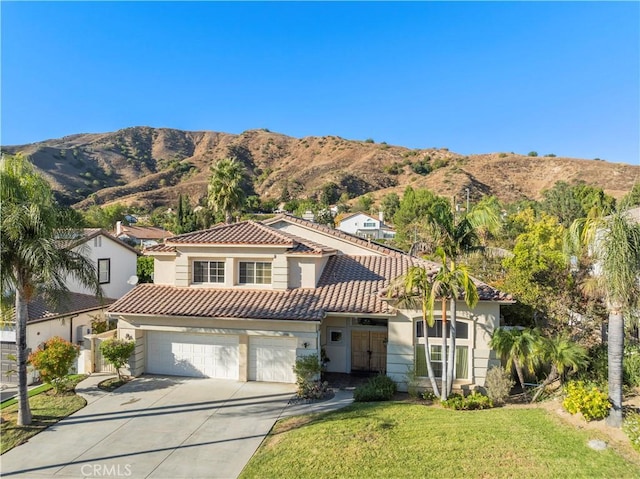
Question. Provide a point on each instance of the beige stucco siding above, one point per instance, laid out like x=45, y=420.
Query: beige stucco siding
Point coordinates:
x=400, y=349
x=164, y=270
x=482, y=320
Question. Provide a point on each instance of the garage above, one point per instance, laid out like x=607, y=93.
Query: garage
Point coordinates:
x=271, y=359
x=196, y=355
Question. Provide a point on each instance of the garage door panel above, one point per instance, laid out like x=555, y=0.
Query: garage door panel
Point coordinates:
x=197, y=355
x=272, y=359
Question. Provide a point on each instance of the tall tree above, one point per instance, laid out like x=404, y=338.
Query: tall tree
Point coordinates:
x=33, y=258
x=451, y=282
x=226, y=193
x=413, y=291
x=613, y=242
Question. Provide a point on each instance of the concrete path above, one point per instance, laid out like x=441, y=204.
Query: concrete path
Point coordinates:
x=160, y=427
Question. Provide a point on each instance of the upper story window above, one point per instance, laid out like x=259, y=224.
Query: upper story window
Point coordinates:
x=435, y=331
x=208, y=271
x=97, y=241
x=104, y=270
x=369, y=224
x=255, y=272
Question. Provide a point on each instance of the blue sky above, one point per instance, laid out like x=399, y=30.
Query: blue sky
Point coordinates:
x=560, y=78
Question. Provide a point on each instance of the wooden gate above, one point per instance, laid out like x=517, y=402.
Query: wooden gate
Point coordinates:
x=369, y=351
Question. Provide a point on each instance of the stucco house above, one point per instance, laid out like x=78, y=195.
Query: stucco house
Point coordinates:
x=141, y=235
x=115, y=264
x=366, y=226
x=242, y=301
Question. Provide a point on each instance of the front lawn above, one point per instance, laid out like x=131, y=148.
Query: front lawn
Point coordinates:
x=46, y=409
x=394, y=440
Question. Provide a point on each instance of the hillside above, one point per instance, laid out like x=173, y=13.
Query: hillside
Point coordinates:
x=149, y=167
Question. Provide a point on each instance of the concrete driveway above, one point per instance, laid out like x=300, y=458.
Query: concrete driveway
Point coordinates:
x=156, y=427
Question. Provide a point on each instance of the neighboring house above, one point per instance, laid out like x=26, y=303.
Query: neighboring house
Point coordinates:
x=116, y=264
x=243, y=301
x=366, y=226
x=144, y=236
x=70, y=320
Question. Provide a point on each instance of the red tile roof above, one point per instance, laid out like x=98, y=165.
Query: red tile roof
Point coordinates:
x=72, y=303
x=348, y=284
x=297, y=304
x=244, y=233
x=145, y=232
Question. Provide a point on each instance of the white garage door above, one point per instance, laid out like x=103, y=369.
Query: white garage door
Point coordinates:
x=272, y=359
x=199, y=355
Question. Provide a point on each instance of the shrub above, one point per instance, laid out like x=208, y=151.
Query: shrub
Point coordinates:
x=378, y=388
x=307, y=370
x=502, y=155
x=631, y=365
x=473, y=401
x=429, y=396
x=592, y=403
x=631, y=426
x=117, y=352
x=498, y=384
x=532, y=153
x=54, y=361
x=393, y=169
x=421, y=167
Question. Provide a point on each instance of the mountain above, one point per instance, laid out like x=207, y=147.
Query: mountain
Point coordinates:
x=149, y=167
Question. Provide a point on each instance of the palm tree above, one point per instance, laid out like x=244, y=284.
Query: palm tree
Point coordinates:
x=32, y=261
x=451, y=282
x=613, y=242
x=413, y=290
x=519, y=348
x=226, y=194
x=563, y=354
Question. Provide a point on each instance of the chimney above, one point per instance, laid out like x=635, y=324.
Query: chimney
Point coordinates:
x=381, y=216
x=118, y=228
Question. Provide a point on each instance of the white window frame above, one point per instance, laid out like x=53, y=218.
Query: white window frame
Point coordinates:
x=104, y=272
x=254, y=278
x=208, y=271
x=436, y=342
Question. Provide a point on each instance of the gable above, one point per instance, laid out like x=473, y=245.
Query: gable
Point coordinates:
x=343, y=242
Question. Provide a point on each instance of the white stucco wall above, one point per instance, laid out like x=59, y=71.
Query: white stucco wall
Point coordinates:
x=123, y=266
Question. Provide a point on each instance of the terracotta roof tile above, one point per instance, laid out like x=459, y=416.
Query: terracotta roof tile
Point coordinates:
x=160, y=248
x=72, y=303
x=298, y=304
x=243, y=233
x=349, y=284
x=146, y=232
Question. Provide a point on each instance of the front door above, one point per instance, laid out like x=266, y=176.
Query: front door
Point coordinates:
x=369, y=351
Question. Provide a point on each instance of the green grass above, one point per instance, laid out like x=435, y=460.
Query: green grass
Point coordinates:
x=397, y=440
x=74, y=379
x=46, y=409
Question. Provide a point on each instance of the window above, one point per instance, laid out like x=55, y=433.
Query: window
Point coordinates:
x=369, y=224
x=255, y=272
x=208, y=271
x=104, y=270
x=97, y=241
x=435, y=331
x=462, y=361
x=335, y=336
